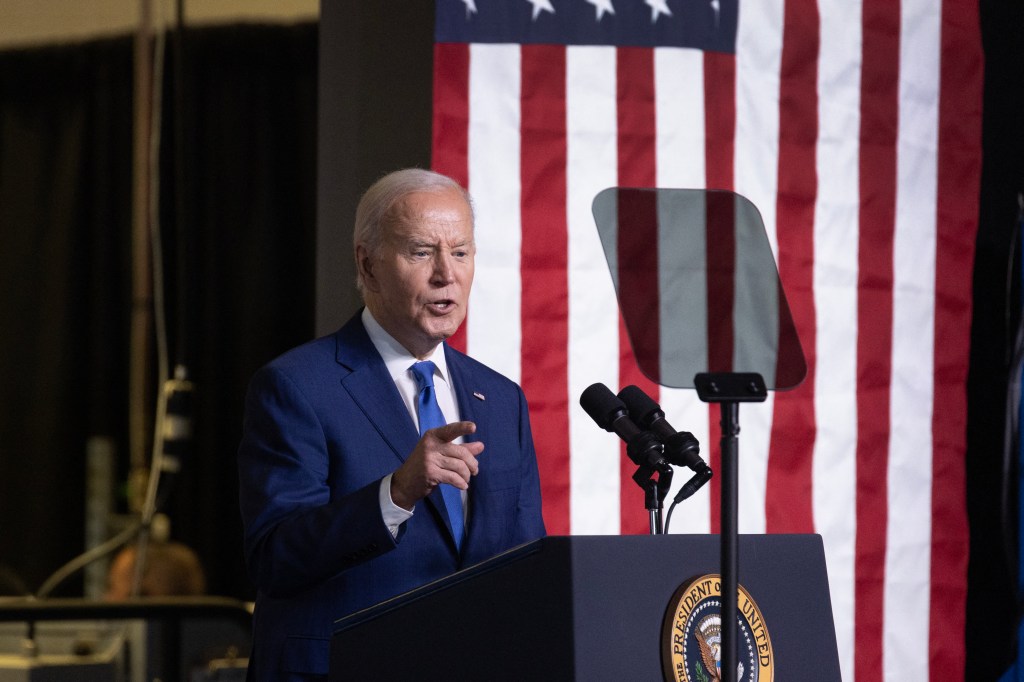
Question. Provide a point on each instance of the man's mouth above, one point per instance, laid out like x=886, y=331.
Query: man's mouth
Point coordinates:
x=443, y=305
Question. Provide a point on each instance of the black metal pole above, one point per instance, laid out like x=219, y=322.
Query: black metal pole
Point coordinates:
x=655, y=522
x=729, y=389
x=729, y=537
x=655, y=490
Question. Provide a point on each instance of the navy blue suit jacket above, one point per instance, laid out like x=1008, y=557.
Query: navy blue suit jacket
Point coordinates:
x=324, y=423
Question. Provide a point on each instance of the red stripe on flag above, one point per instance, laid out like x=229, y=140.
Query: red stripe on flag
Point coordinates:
x=638, y=276
x=720, y=237
x=959, y=170
x=788, y=503
x=719, y=119
x=637, y=143
x=450, y=140
x=720, y=141
x=544, y=265
x=878, y=132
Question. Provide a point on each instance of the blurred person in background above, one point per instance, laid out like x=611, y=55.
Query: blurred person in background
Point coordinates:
x=170, y=569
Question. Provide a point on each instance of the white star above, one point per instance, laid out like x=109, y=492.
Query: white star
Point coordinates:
x=541, y=6
x=658, y=7
x=602, y=6
x=470, y=7
x=717, y=9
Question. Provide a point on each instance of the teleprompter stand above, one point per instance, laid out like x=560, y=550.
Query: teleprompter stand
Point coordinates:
x=729, y=390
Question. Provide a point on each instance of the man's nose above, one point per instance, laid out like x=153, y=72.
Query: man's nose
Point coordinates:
x=444, y=272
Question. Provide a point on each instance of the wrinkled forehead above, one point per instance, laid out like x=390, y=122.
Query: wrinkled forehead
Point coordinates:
x=430, y=214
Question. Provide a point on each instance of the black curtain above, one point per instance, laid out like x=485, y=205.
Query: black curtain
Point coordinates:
x=249, y=169
x=65, y=188
x=238, y=210
x=994, y=600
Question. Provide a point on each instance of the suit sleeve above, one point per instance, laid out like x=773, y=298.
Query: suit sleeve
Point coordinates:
x=296, y=535
x=529, y=519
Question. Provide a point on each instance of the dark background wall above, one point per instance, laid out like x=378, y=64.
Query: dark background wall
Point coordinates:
x=375, y=116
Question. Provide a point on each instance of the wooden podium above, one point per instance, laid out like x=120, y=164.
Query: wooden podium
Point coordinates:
x=587, y=608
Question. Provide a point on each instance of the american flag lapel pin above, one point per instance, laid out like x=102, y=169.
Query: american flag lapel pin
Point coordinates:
x=479, y=396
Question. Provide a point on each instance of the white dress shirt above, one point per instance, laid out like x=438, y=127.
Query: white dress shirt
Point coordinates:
x=399, y=362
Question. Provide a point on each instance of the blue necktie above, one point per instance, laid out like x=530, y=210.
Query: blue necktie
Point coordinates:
x=430, y=417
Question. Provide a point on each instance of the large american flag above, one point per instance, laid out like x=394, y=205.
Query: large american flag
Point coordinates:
x=854, y=127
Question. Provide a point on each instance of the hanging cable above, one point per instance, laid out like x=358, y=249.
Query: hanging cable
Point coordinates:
x=156, y=252
x=172, y=430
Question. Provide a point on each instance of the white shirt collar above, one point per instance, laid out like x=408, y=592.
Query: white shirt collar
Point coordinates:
x=397, y=359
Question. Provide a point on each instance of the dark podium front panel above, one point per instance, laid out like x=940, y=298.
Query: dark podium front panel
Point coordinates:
x=586, y=608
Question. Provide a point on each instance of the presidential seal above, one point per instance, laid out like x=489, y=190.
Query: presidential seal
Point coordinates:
x=691, y=640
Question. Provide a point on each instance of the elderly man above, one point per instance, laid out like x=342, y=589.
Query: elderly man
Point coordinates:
x=379, y=458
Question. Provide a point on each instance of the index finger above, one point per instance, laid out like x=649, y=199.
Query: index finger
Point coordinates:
x=450, y=432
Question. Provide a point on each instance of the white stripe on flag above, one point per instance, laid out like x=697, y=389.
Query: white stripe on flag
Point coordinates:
x=593, y=314
x=679, y=89
x=835, y=292
x=493, y=332
x=758, y=56
x=756, y=309
x=758, y=60
x=680, y=156
x=682, y=290
x=908, y=559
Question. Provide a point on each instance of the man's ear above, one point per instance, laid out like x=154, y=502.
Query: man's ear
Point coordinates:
x=364, y=264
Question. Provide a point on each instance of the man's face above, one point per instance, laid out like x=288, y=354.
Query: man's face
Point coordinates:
x=417, y=287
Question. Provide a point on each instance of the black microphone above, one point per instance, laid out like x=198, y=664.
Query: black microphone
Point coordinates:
x=681, y=448
x=611, y=414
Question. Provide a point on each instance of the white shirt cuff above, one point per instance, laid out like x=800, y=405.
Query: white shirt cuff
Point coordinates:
x=394, y=516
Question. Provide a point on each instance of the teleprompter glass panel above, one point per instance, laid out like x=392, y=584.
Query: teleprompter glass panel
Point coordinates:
x=697, y=285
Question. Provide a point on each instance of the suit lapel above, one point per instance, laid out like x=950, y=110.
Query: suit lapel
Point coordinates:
x=462, y=379
x=371, y=387
x=469, y=410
